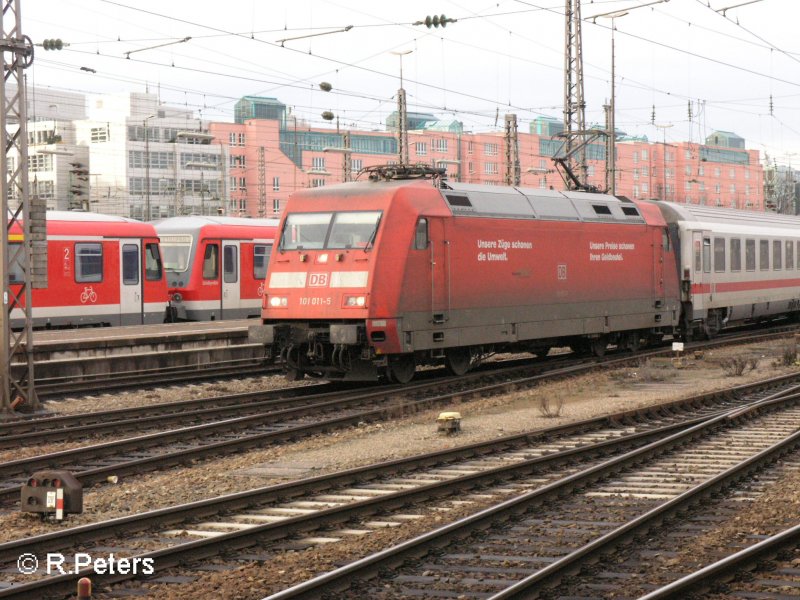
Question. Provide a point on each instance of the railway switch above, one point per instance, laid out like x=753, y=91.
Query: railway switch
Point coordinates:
x=52, y=493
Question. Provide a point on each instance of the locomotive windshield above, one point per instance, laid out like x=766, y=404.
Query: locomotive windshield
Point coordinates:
x=176, y=250
x=315, y=231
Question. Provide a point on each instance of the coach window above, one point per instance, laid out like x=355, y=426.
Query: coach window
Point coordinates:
x=719, y=255
x=88, y=263
x=211, y=262
x=777, y=263
x=706, y=255
x=152, y=263
x=15, y=274
x=261, y=254
x=763, y=255
x=789, y=255
x=421, y=234
x=736, y=254
x=750, y=255
x=130, y=264
x=230, y=270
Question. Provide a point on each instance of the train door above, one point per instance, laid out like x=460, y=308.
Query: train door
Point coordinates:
x=702, y=279
x=131, y=299
x=231, y=280
x=440, y=267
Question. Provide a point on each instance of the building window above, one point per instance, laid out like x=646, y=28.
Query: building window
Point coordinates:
x=644, y=154
x=746, y=174
x=635, y=157
x=242, y=184
x=471, y=168
x=635, y=191
x=421, y=148
x=687, y=169
x=490, y=168
x=701, y=170
x=232, y=138
x=237, y=161
x=276, y=184
x=490, y=149
x=635, y=174
x=317, y=182
x=732, y=173
x=356, y=165
x=645, y=188
x=439, y=145
x=276, y=205
x=470, y=148
x=241, y=139
x=99, y=134
x=40, y=162
x=318, y=163
x=590, y=170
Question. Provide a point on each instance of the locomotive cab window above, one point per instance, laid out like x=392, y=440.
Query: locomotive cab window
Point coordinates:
x=88, y=263
x=421, y=234
x=152, y=263
x=354, y=229
x=130, y=264
x=261, y=254
x=305, y=231
x=211, y=262
x=230, y=266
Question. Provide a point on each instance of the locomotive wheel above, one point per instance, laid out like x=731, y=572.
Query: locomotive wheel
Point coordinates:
x=457, y=361
x=401, y=368
x=293, y=374
x=633, y=341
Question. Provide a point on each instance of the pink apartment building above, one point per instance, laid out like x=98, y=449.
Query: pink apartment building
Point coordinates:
x=270, y=154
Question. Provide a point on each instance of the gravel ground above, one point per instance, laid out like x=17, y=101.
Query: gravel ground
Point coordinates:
x=579, y=398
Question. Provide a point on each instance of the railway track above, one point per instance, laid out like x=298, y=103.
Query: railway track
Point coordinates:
x=520, y=463
x=538, y=540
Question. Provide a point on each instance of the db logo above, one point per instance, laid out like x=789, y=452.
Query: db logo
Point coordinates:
x=317, y=279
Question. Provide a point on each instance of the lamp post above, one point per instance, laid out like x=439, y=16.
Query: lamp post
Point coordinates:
x=664, y=157
x=147, y=168
x=402, y=121
x=611, y=146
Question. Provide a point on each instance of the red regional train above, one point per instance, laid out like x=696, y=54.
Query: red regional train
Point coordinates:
x=216, y=266
x=374, y=278
x=101, y=270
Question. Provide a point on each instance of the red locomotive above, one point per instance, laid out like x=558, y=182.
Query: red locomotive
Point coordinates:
x=101, y=270
x=375, y=278
x=216, y=265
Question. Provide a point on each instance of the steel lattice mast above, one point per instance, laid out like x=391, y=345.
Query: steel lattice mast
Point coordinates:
x=574, y=103
x=25, y=257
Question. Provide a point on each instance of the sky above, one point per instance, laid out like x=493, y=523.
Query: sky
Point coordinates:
x=683, y=68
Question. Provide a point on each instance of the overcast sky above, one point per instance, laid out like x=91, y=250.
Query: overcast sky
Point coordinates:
x=739, y=72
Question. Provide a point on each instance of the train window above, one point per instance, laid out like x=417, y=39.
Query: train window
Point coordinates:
x=789, y=255
x=211, y=262
x=630, y=211
x=665, y=241
x=130, y=264
x=305, y=231
x=421, y=234
x=797, y=262
x=719, y=255
x=177, y=249
x=354, y=229
x=698, y=264
x=706, y=255
x=88, y=263
x=15, y=273
x=458, y=200
x=152, y=263
x=601, y=209
x=750, y=255
x=777, y=263
x=230, y=267
x=736, y=254
x=261, y=254
x=763, y=255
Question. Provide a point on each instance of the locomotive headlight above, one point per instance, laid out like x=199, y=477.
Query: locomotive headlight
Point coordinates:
x=355, y=301
x=278, y=302
x=322, y=259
